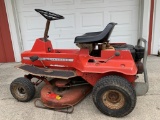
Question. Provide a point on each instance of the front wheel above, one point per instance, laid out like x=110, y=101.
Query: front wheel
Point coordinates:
x=114, y=96
x=22, y=89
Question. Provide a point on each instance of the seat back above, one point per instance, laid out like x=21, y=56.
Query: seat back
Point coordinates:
x=106, y=33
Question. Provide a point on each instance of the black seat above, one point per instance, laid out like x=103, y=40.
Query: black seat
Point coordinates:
x=96, y=37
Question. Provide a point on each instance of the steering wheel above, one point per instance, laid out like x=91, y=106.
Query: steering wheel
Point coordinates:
x=49, y=15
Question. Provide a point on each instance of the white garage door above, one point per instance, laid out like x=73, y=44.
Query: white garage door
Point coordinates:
x=80, y=16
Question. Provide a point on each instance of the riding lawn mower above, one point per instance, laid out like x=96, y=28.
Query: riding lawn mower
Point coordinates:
x=108, y=70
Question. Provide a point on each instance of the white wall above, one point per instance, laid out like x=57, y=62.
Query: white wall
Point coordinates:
x=156, y=28
x=146, y=19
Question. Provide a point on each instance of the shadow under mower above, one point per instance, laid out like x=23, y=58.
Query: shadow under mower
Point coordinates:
x=70, y=74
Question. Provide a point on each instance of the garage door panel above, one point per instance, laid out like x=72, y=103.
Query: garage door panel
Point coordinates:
x=129, y=37
x=81, y=16
x=90, y=3
x=65, y=43
x=67, y=23
x=93, y=19
x=105, y=3
x=31, y=21
x=37, y=20
x=89, y=20
x=33, y=35
x=25, y=5
x=44, y=4
x=121, y=39
x=28, y=44
x=127, y=18
x=39, y=34
x=123, y=2
x=31, y=27
x=118, y=16
x=33, y=2
x=29, y=5
x=62, y=2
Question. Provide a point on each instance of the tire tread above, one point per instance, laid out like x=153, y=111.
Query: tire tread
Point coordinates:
x=114, y=80
x=28, y=85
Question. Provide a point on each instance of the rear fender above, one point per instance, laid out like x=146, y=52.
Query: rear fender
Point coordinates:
x=92, y=78
x=108, y=62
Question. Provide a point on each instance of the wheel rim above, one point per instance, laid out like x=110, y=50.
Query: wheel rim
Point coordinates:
x=19, y=91
x=113, y=99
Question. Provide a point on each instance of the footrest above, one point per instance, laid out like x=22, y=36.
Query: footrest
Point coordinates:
x=65, y=74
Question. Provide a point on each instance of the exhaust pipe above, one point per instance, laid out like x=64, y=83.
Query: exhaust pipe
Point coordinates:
x=141, y=88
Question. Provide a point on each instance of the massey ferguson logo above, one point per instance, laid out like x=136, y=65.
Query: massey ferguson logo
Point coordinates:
x=52, y=59
x=57, y=59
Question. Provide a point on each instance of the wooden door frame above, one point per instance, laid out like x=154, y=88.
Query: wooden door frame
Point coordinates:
x=151, y=22
x=14, y=28
x=8, y=55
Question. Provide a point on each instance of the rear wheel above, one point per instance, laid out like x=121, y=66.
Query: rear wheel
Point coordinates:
x=114, y=96
x=22, y=89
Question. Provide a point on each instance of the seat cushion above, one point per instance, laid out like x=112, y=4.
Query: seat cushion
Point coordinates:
x=96, y=37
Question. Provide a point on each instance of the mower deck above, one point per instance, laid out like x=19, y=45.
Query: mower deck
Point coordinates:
x=65, y=74
x=69, y=96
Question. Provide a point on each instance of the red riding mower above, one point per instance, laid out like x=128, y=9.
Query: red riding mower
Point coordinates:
x=70, y=74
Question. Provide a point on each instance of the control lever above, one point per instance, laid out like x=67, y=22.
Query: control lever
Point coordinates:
x=34, y=58
x=117, y=53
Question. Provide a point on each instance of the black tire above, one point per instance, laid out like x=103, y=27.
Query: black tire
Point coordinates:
x=114, y=96
x=22, y=89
